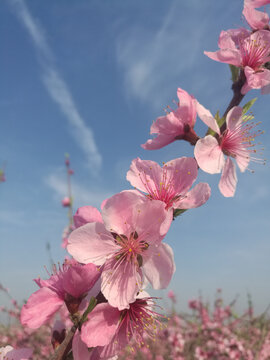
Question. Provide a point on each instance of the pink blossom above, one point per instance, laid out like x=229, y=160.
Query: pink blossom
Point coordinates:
x=258, y=20
x=249, y=52
x=2, y=176
x=110, y=329
x=177, y=124
x=171, y=295
x=67, y=230
x=8, y=353
x=66, y=202
x=256, y=3
x=235, y=142
x=194, y=304
x=171, y=183
x=128, y=245
x=67, y=285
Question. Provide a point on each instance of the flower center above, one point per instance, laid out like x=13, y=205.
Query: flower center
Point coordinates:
x=239, y=142
x=132, y=248
x=254, y=52
x=140, y=319
x=159, y=189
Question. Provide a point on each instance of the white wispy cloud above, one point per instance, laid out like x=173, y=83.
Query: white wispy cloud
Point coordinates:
x=151, y=60
x=58, y=88
x=81, y=194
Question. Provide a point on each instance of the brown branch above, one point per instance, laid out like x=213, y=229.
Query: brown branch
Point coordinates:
x=237, y=96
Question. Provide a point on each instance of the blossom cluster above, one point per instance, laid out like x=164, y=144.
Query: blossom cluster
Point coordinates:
x=204, y=333
x=119, y=250
x=207, y=334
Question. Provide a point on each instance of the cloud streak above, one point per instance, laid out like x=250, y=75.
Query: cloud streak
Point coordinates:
x=152, y=58
x=81, y=194
x=58, y=89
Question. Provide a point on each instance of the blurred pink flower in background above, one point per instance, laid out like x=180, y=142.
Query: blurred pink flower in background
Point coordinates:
x=171, y=295
x=8, y=353
x=66, y=202
x=2, y=176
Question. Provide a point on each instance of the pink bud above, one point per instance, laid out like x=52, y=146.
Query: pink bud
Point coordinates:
x=70, y=171
x=171, y=295
x=66, y=202
x=193, y=304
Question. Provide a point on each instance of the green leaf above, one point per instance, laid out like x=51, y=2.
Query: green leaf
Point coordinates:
x=178, y=212
x=234, y=72
x=220, y=122
x=91, y=305
x=248, y=105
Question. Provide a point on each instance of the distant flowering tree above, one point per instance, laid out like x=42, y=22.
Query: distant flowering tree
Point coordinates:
x=2, y=175
x=117, y=251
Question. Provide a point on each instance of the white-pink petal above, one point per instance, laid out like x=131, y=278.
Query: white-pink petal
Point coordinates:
x=234, y=118
x=79, y=348
x=182, y=172
x=86, y=214
x=256, y=3
x=160, y=267
x=144, y=174
x=101, y=325
x=256, y=80
x=158, y=142
x=120, y=283
x=228, y=56
x=91, y=243
x=188, y=105
x=255, y=18
x=243, y=160
x=207, y=118
x=195, y=197
x=228, y=180
x=209, y=155
x=225, y=40
x=40, y=307
x=170, y=124
x=130, y=211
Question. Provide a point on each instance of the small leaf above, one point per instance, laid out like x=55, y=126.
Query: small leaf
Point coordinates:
x=248, y=105
x=178, y=212
x=234, y=72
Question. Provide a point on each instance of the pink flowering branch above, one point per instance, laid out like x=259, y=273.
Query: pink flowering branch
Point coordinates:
x=68, y=201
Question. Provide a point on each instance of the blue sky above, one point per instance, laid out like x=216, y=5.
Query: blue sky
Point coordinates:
x=88, y=79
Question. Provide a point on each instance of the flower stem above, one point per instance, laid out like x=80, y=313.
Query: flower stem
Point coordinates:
x=64, y=348
x=237, y=96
